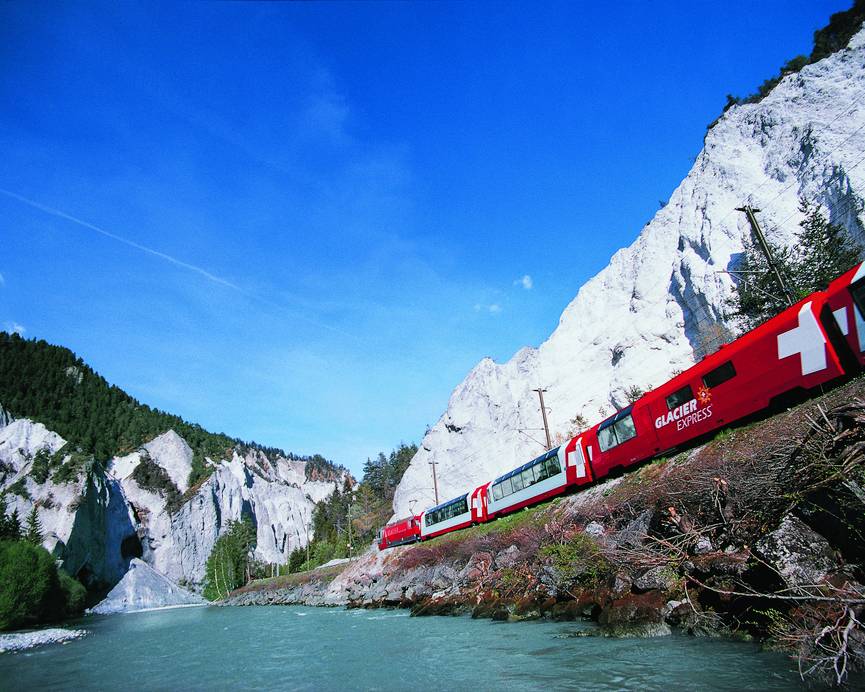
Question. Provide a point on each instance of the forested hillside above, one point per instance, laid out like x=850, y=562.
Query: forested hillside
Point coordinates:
x=353, y=514
x=53, y=386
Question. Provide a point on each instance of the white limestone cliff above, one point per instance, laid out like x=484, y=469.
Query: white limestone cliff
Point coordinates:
x=96, y=523
x=660, y=302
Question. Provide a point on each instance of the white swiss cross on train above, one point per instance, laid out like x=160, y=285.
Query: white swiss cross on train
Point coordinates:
x=807, y=340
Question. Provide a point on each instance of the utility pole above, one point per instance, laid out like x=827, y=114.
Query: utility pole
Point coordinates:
x=764, y=246
x=435, y=482
x=540, y=392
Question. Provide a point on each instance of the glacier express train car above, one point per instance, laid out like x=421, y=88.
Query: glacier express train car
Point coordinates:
x=794, y=352
x=846, y=301
x=399, y=532
x=546, y=476
x=817, y=341
x=452, y=515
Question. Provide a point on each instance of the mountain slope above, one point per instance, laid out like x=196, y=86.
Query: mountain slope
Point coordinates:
x=113, y=479
x=661, y=302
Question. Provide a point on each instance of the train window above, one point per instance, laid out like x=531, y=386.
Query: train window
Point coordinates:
x=625, y=429
x=617, y=430
x=857, y=290
x=507, y=487
x=679, y=397
x=719, y=375
x=497, y=492
x=517, y=481
x=528, y=476
x=607, y=438
x=542, y=472
x=552, y=465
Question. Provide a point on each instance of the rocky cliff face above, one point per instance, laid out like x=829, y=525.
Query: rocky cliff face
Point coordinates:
x=98, y=521
x=660, y=302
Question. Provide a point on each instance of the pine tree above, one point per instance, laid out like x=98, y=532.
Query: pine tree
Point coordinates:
x=821, y=253
x=4, y=520
x=33, y=532
x=13, y=526
x=758, y=296
x=824, y=250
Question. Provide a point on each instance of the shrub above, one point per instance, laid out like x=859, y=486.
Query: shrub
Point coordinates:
x=74, y=594
x=30, y=589
x=578, y=560
x=151, y=476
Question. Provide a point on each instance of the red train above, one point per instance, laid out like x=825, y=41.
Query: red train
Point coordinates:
x=819, y=340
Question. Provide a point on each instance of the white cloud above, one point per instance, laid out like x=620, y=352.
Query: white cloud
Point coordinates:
x=526, y=282
x=493, y=309
x=15, y=327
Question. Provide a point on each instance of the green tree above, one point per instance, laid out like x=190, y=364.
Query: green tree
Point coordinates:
x=30, y=590
x=33, y=531
x=758, y=296
x=227, y=566
x=821, y=253
x=12, y=527
x=4, y=520
x=824, y=250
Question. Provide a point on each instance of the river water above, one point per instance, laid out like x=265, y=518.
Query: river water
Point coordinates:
x=299, y=648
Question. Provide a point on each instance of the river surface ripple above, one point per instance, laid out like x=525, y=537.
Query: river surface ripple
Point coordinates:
x=301, y=648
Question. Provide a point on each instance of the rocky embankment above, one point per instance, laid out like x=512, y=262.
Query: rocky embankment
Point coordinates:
x=757, y=533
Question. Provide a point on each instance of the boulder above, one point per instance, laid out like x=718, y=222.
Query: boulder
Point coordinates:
x=799, y=554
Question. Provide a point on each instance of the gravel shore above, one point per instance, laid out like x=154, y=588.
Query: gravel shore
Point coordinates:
x=19, y=641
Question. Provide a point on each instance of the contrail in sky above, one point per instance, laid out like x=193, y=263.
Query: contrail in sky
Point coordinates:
x=168, y=258
x=131, y=243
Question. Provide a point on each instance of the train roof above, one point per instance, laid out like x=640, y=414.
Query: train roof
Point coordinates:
x=520, y=469
x=615, y=418
x=464, y=496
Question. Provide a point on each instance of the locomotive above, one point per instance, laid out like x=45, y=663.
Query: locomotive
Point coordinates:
x=818, y=341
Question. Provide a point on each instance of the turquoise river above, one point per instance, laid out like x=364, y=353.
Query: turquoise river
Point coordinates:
x=298, y=648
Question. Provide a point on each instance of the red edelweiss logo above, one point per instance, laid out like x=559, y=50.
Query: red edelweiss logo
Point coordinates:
x=704, y=395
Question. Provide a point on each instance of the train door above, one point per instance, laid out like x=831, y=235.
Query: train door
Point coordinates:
x=846, y=305
x=479, y=504
x=578, y=471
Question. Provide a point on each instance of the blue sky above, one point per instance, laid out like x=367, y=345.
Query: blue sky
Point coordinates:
x=303, y=224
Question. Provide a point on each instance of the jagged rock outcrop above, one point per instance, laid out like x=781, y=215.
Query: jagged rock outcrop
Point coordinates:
x=660, y=302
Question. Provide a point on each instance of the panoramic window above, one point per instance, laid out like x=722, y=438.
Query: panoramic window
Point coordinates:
x=524, y=477
x=617, y=430
x=679, y=397
x=719, y=375
x=449, y=511
x=857, y=290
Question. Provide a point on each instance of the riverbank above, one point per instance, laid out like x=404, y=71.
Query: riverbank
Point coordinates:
x=755, y=534
x=20, y=641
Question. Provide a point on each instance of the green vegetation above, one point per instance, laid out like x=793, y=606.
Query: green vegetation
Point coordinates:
x=33, y=528
x=53, y=386
x=32, y=589
x=578, y=560
x=830, y=39
x=229, y=562
x=822, y=251
x=370, y=505
x=151, y=476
